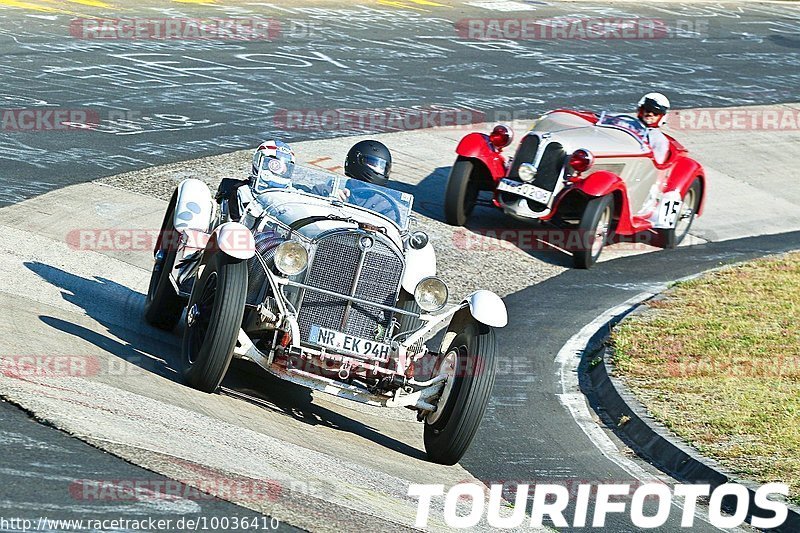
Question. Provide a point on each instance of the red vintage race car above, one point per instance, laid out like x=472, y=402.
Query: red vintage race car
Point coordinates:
x=592, y=175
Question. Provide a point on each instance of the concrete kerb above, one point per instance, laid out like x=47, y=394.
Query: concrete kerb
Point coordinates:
x=622, y=412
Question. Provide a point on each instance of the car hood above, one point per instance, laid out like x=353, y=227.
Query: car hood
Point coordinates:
x=290, y=207
x=575, y=132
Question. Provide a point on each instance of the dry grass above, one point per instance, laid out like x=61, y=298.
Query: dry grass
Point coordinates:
x=718, y=362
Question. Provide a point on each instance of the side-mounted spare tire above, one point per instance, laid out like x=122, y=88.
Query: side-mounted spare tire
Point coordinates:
x=163, y=305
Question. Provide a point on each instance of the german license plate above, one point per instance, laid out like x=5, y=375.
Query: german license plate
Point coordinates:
x=348, y=343
x=527, y=190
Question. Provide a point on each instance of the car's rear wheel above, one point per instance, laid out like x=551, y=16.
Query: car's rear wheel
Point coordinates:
x=163, y=306
x=213, y=320
x=470, y=364
x=671, y=238
x=461, y=193
x=594, y=231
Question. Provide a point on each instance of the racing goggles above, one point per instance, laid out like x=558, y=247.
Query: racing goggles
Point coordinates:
x=377, y=164
x=280, y=165
x=651, y=106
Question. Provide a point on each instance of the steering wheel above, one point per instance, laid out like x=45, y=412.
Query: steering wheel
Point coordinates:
x=366, y=193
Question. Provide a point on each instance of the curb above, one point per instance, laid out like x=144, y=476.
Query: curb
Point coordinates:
x=613, y=402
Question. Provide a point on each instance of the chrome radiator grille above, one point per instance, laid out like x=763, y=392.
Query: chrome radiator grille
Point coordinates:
x=339, y=264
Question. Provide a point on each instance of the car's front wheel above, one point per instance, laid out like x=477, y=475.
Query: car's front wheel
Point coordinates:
x=470, y=365
x=671, y=238
x=213, y=320
x=461, y=193
x=163, y=306
x=594, y=231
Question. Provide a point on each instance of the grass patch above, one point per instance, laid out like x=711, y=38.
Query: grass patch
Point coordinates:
x=717, y=361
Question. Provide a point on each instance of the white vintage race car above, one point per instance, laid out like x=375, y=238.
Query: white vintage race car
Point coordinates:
x=324, y=285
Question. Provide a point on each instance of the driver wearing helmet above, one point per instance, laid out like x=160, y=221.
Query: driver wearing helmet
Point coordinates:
x=653, y=108
x=371, y=162
x=273, y=165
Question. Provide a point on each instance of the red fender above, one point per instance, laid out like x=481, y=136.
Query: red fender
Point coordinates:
x=684, y=172
x=477, y=146
x=602, y=183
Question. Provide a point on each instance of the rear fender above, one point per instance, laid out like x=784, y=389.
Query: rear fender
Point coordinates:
x=683, y=174
x=477, y=146
x=194, y=207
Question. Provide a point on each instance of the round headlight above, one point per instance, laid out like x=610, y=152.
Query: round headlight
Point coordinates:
x=418, y=240
x=291, y=258
x=431, y=294
x=526, y=172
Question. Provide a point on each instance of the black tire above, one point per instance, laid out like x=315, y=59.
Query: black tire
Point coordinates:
x=671, y=238
x=461, y=193
x=448, y=436
x=591, y=237
x=215, y=313
x=407, y=302
x=163, y=305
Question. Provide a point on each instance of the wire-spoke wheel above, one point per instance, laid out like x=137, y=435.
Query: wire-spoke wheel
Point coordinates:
x=213, y=320
x=594, y=231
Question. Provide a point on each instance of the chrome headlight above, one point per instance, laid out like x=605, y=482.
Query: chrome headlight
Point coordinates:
x=526, y=172
x=418, y=240
x=291, y=258
x=431, y=294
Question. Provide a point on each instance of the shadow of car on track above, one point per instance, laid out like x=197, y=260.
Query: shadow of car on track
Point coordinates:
x=119, y=309
x=488, y=228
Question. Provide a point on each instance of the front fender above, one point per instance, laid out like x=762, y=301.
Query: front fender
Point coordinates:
x=487, y=308
x=420, y=264
x=683, y=175
x=194, y=207
x=600, y=183
x=477, y=146
x=232, y=239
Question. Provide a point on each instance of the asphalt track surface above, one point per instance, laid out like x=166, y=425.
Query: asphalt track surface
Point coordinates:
x=164, y=101
x=178, y=107
x=527, y=436
x=46, y=476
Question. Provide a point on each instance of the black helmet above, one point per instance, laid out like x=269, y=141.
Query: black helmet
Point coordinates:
x=369, y=161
